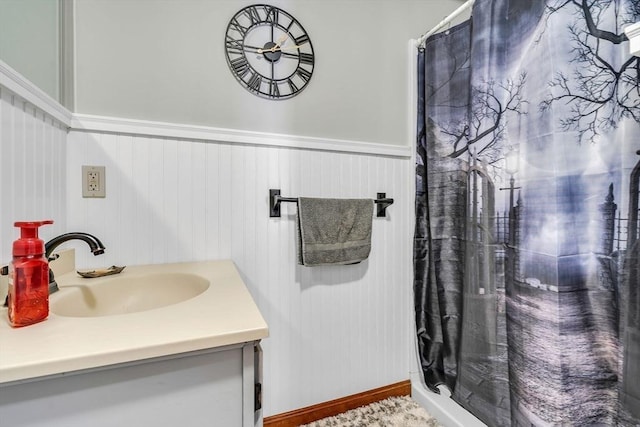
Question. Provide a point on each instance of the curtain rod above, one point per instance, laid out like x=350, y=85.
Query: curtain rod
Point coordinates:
x=444, y=22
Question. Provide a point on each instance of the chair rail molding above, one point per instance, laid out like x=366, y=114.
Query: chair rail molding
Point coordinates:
x=92, y=123
x=16, y=83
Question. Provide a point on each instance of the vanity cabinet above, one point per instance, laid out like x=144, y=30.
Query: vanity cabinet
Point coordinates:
x=217, y=387
x=192, y=363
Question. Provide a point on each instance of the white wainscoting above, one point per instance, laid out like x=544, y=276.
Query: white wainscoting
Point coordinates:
x=334, y=331
x=32, y=169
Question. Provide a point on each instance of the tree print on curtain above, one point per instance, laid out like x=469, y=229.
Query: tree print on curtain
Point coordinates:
x=527, y=219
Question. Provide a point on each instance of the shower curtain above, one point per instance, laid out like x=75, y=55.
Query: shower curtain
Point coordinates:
x=527, y=239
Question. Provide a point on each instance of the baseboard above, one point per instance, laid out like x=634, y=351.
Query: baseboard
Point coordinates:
x=334, y=407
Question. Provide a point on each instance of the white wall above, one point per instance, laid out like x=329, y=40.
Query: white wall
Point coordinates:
x=165, y=61
x=334, y=331
x=32, y=170
x=29, y=41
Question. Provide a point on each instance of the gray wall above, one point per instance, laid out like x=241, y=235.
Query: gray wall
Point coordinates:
x=164, y=61
x=29, y=41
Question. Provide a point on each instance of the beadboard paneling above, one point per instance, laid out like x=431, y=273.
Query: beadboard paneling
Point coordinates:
x=334, y=331
x=32, y=169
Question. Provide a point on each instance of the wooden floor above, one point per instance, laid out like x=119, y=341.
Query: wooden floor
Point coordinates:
x=337, y=406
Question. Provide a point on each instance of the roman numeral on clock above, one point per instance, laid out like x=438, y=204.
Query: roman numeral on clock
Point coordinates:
x=303, y=74
x=253, y=14
x=306, y=58
x=254, y=82
x=240, y=66
x=238, y=27
x=302, y=39
x=274, y=90
x=234, y=46
x=272, y=15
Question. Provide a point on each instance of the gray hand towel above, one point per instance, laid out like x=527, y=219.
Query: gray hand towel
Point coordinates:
x=333, y=231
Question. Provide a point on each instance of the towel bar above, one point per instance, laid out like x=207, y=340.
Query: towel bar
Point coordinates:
x=382, y=203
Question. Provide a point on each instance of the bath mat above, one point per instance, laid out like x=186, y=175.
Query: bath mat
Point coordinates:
x=399, y=411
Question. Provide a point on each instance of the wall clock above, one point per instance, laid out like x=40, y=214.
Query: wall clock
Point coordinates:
x=269, y=52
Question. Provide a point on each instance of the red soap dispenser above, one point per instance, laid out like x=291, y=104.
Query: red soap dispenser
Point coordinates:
x=28, y=277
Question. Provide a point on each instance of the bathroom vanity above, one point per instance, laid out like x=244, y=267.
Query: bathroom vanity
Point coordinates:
x=117, y=358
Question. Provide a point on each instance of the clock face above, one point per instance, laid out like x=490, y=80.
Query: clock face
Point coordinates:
x=269, y=52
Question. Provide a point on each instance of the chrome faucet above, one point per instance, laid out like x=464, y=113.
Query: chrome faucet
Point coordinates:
x=95, y=245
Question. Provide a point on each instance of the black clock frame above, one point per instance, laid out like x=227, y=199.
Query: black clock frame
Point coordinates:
x=249, y=19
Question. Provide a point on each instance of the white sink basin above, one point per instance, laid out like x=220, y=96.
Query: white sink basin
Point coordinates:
x=126, y=294
x=147, y=311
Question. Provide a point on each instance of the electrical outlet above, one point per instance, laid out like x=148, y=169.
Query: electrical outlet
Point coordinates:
x=93, y=181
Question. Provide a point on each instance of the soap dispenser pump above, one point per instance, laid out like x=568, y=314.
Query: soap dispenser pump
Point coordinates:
x=28, y=277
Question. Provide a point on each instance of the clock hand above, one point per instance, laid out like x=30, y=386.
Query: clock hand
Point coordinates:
x=292, y=47
x=278, y=48
x=281, y=40
x=253, y=48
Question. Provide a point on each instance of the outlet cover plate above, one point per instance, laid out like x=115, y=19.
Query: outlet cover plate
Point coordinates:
x=93, y=181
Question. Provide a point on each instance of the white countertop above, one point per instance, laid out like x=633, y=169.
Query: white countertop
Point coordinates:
x=224, y=314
